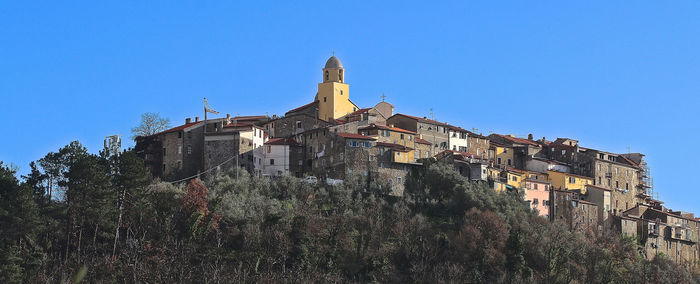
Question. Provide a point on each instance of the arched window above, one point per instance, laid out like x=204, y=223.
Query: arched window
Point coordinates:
x=340, y=75
x=326, y=75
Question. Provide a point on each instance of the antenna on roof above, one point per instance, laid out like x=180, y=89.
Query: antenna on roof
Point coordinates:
x=628, y=150
x=431, y=114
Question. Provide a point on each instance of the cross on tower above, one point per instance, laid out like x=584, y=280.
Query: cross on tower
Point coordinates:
x=383, y=97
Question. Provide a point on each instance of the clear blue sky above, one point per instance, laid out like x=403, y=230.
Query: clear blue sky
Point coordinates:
x=613, y=75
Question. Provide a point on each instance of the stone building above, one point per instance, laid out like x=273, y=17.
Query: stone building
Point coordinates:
x=613, y=171
x=659, y=230
x=430, y=130
x=478, y=144
x=293, y=124
x=177, y=152
x=578, y=214
x=467, y=164
x=234, y=144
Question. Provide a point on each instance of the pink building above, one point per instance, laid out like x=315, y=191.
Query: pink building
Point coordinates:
x=537, y=194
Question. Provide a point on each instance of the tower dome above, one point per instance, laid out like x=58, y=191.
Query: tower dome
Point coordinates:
x=333, y=62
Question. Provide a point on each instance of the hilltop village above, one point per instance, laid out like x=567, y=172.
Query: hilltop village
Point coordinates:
x=331, y=137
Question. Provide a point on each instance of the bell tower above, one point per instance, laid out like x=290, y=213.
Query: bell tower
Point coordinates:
x=333, y=94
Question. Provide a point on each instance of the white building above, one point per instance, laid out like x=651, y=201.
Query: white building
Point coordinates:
x=280, y=156
x=458, y=138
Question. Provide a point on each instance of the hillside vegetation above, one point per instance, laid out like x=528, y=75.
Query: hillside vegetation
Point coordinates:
x=100, y=219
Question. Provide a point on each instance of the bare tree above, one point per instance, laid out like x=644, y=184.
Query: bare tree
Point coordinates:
x=151, y=123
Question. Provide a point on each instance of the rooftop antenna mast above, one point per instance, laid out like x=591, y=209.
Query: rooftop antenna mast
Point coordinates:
x=207, y=109
x=113, y=143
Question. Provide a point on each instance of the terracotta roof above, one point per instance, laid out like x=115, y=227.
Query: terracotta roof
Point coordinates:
x=337, y=121
x=454, y=127
x=249, y=117
x=464, y=154
x=303, y=107
x=422, y=119
x=354, y=136
x=359, y=111
x=239, y=124
x=423, y=141
x=388, y=128
x=281, y=141
x=178, y=128
x=517, y=140
x=397, y=147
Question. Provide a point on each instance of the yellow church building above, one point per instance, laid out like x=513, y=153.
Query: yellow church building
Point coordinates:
x=333, y=95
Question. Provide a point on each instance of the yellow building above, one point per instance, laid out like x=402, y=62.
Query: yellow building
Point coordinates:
x=566, y=181
x=333, y=94
x=503, y=155
x=515, y=177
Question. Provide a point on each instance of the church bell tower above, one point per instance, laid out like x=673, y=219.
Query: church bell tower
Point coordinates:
x=333, y=94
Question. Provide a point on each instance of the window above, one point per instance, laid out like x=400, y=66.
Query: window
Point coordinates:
x=515, y=178
x=572, y=180
x=367, y=144
x=300, y=162
x=326, y=75
x=179, y=134
x=298, y=124
x=505, y=150
x=627, y=186
x=545, y=202
x=398, y=180
x=164, y=152
x=535, y=201
x=617, y=184
x=401, y=136
x=499, y=161
x=179, y=149
x=324, y=99
x=189, y=149
x=535, y=186
x=509, y=162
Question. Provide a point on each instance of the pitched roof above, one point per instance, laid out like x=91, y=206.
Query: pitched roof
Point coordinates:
x=303, y=107
x=517, y=140
x=359, y=111
x=239, y=124
x=354, y=136
x=394, y=146
x=387, y=128
x=281, y=141
x=421, y=119
x=423, y=141
x=249, y=118
x=178, y=128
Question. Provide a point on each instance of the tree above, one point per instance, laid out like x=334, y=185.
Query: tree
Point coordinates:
x=151, y=123
x=19, y=224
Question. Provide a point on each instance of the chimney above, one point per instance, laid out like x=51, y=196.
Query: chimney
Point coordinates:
x=529, y=136
x=188, y=120
x=543, y=139
x=196, y=119
x=391, y=125
x=228, y=116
